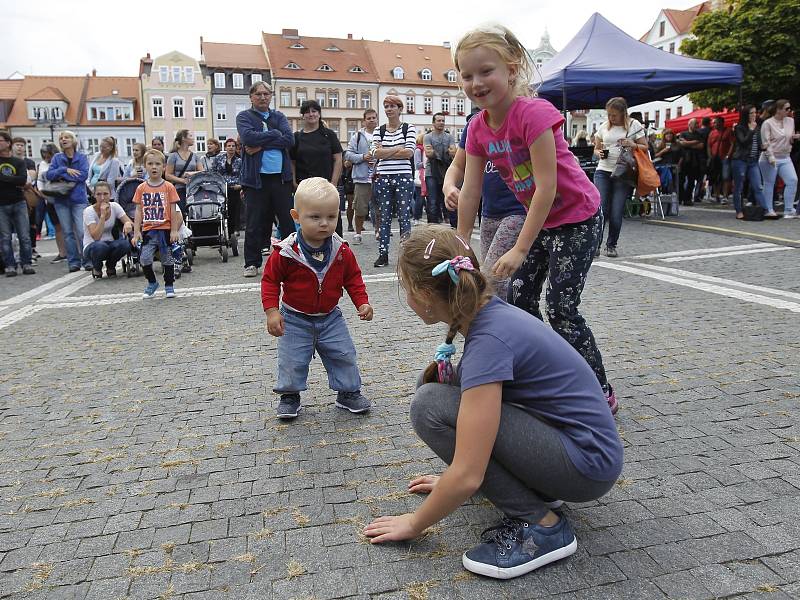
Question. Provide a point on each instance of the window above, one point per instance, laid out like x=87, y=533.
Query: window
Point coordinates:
x=398, y=73
x=672, y=47
x=451, y=76
x=425, y=74
x=200, y=141
x=324, y=67
x=297, y=46
x=680, y=111
x=222, y=139
x=255, y=78
x=427, y=103
x=163, y=74
x=459, y=133
x=333, y=48
x=219, y=80
x=28, y=148
x=320, y=96
x=129, y=142
x=158, y=107
x=292, y=66
x=410, y=104
x=352, y=100
x=199, y=108
x=356, y=69
x=661, y=28
x=238, y=81
x=446, y=105
x=365, y=100
x=176, y=74
x=460, y=106
x=188, y=74
x=333, y=99
x=286, y=98
x=352, y=128
x=177, y=108
x=657, y=119
x=221, y=110
x=97, y=114
x=301, y=97
x=667, y=115
x=92, y=145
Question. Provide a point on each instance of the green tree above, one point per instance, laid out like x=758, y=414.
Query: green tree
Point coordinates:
x=761, y=35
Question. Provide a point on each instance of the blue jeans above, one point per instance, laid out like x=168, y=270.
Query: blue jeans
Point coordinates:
x=436, y=209
x=613, y=193
x=14, y=217
x=108, y=251
x=785, y=170
x=70, y=215
x=418, y=203
x=303, y=335
x=742, y=168
x=393, y=194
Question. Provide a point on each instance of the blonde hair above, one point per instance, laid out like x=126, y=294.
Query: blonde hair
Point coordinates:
x=104, y=184
x=619, y=103
x=315, y=188
x=501, y=40
x=157, y=154
x=141, y=147
x=424, y=249
x=71, y=135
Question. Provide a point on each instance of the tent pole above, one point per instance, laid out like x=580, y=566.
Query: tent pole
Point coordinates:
x=740, y=96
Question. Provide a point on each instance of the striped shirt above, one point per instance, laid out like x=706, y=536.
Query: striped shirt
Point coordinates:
x=394, y=139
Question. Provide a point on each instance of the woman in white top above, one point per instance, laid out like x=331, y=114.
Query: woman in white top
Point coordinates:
x=106, y=166
x=620, y=131
x=777, y=136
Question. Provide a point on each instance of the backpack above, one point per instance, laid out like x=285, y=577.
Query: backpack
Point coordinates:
x=382, y=131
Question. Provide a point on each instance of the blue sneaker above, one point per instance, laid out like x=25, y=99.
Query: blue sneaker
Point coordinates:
x=516, y=547
x=355, y=402
x=289, y=406
x=170, y=291
x=150, y=290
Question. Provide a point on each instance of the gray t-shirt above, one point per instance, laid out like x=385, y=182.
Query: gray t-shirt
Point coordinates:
x=440, y=142
x=176, y=161
x=90, y=217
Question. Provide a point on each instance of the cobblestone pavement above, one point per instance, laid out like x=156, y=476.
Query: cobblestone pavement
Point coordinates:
x=140, y=456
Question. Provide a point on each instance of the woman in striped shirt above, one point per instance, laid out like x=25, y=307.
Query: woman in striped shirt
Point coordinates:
x=393, y=147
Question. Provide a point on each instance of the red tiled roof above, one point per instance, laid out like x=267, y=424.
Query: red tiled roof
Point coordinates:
x=313, y=54
x=127, y=88
x=9, y=88
x=413, y=58
x=234, y=55
x=48, y=93
x=682, y=20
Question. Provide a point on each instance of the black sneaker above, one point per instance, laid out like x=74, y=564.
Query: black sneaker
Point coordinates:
x=11, y=271
x=611, y=252
x=74, y=269
x=355, y=402
x=58, y=259
x=289, y=406
x=35, y=254
x=28, y=270
x=111, y=272
x=383, y=261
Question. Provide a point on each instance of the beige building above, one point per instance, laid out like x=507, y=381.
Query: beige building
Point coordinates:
x=175, y=96
x=337, y=73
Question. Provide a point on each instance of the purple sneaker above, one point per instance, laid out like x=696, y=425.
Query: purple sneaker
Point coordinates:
x=611, y=398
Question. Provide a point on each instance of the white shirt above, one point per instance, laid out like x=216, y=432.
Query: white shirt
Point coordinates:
x=610, y=136
x=90, y=217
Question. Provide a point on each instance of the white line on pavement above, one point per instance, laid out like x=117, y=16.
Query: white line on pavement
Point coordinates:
x=40, y=289
x=20, y=314
x=701, y=251
x=717, y=254
x=706, y=287
x=82, y=280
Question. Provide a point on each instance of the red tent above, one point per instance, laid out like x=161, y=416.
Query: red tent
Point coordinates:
x=680, y=124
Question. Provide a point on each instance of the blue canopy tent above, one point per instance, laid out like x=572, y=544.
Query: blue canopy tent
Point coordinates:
x=602, y=61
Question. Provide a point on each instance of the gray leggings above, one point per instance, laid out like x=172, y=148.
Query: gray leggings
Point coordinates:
x=498, y=236
x=529, y=464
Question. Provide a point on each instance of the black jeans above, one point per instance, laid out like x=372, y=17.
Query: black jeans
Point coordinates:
x=562, y=255
x=272, y=201
x=234, y=210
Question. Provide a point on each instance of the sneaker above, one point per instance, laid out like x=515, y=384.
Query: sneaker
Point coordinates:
x=357, y=239
x=790, y=216
x=355, y=402
x=554, y=504
x=35, y=254
x=169, y=291
x=611, y=398
x=516, y=547
x=97, y=273
x=611, y=252
x=11, y=271
x=150, y=290
x=289, y=406
x=74, y=269
x=383, y=261
x=111, y=272
x=251, y=271
x=350, y=229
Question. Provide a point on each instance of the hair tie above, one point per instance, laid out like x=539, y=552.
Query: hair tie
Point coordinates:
x=444, y=367
x=453, y=267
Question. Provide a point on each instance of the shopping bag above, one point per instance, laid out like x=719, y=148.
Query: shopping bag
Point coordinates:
x=648, y=179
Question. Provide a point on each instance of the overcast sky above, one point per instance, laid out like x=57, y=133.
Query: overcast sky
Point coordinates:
x=52, y=37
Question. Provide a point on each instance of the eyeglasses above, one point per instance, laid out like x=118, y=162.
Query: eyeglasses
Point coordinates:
x=262, y=93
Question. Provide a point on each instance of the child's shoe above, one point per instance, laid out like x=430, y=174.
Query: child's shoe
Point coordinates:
x=150, y=290
x=355, y=402
x=611, y=398
x=289, y=406
x=170, y=291
x=516, y=547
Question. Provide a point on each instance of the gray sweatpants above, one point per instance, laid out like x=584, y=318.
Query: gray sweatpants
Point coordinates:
x=529, y=464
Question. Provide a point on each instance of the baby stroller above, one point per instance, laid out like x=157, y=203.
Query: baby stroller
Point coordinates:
x=125, y=192
x=207, y=215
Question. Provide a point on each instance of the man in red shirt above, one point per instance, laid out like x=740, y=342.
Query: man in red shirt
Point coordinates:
x=720, y=148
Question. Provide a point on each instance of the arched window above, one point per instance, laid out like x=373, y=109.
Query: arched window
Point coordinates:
x=398, y=73
x=426, y=74
x=451, y=76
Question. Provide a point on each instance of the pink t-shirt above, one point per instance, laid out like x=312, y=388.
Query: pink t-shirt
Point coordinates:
x=509, y=149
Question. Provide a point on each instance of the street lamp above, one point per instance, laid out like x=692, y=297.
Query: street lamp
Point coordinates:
x=51, y=118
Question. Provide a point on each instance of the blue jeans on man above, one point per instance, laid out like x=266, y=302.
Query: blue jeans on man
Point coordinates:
x=14, y=217
x=303, y=336
x=70, y=214
x=613, y=193
x=110, y=251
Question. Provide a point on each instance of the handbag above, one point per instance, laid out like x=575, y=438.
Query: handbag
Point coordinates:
x=648, y=179
x=58, y=188
x=625, y=169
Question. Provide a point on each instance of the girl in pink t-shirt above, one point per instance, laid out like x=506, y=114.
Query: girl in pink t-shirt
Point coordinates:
x=522, y=137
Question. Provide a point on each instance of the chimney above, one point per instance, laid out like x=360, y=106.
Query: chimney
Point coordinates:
x=446, y=45
x=94, y=72
x=148, y=55
x=290, y=34
x=349, y=36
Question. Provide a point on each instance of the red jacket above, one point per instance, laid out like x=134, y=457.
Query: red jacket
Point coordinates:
x=305, y=290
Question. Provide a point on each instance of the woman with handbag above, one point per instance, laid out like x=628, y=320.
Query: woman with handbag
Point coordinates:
x=618, y=135
x=106, y=166
x=67, y=176
x=48, y=151
x=182, y=163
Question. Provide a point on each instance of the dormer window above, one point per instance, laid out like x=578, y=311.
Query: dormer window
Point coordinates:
x=425, y=74
x=293, y=66
x=451, y=76
x=398, y=73
x=356, y=69
x=297, y=46
x=326, y=68
x=333, y=48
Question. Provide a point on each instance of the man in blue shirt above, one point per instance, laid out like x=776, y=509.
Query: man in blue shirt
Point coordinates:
x=266, y=174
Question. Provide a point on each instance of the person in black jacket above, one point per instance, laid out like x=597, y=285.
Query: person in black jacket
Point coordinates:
x=746, y=150
x=13, y=209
